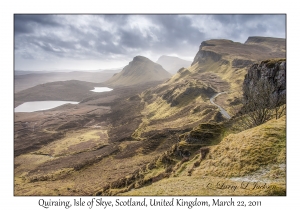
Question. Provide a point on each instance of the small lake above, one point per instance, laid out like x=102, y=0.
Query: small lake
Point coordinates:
x=101, y=89
x=34, y=106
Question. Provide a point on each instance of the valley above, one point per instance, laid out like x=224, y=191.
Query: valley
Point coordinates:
x=153, y=133
x=223, y=111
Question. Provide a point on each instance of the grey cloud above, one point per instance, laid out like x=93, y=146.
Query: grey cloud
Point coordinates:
x=132, y=39
x=43, y=36
x=120, y=19
x=247, y=25
x=28, y=23
x=177, y=28
x=27, y=56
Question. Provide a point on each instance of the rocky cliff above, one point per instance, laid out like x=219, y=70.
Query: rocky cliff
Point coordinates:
x=204, y=54
x=272, y=72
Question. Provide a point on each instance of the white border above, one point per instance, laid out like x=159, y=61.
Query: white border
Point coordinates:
x=8, y=8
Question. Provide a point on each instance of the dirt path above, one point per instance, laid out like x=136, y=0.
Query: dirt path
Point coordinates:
x=223, y=111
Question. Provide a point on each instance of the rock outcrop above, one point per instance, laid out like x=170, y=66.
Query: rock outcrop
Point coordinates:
x=203, y=54
x=271, y=71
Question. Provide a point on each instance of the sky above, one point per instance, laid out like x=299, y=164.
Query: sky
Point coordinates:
x=92, y=42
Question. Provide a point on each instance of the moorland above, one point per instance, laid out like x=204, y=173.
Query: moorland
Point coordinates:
x=154, y=133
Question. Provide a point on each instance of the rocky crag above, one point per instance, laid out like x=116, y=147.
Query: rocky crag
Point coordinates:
x=271, y=71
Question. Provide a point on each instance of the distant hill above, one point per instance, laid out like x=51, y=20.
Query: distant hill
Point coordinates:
x=21, y=72
x=28, y=79
x=172, y=64
x=72, y=90
x=140, y=70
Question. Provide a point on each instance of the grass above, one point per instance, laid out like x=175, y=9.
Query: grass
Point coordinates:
x=86, y=181
x=270, y=63
x=45, y=183
x=74, y=142
x=245, y=152
x=257, y=153
x=202, y=186
x=29, y=162
x=153, y=173
x=174, y=162
x=167, y=107
x=160, y=114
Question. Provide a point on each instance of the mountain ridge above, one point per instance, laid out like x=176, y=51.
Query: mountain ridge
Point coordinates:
x=255, y=48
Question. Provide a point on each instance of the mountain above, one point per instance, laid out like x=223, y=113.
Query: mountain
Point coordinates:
x=219, y=66
x=172, y=64
x=140, y=70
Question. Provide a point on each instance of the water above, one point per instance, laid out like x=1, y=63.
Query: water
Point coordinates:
x=101, y=89
x=34, y=106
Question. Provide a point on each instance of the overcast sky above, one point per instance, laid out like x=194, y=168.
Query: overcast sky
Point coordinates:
x=91, y=42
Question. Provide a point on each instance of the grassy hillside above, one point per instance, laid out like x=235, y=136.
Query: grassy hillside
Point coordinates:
x=238, y=165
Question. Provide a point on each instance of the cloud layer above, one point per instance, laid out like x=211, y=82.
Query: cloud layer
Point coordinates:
x=86, y=42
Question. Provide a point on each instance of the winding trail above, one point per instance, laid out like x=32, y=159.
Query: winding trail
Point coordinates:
x=223, y=111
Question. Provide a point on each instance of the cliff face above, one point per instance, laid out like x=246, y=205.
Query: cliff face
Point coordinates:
x=203, y=54
x=272, y=71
